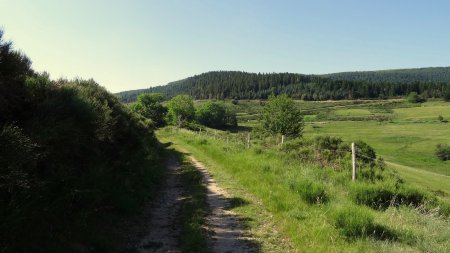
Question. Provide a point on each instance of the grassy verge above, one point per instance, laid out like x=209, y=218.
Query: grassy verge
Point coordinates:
x=264, y=180
x=194, y=209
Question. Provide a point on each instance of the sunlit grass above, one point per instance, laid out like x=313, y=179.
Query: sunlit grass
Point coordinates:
x=265, y=181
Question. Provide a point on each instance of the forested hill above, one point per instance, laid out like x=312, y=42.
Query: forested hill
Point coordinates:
x=436, y=74
x=242, y=85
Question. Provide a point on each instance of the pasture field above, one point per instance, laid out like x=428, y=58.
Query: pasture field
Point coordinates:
x=404, y=134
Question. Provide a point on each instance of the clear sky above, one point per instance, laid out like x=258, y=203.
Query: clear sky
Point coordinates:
x=136, y=44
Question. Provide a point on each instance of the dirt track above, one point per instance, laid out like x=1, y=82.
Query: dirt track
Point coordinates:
x=160, y=229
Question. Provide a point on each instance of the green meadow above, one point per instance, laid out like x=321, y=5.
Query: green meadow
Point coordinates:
x=404, y=134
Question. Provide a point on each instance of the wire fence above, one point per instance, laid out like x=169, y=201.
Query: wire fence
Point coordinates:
x=246, y=139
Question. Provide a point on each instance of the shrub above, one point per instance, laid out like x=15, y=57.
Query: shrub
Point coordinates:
x=414, y=98
x=443, y=152
x=365, y=153
x=311, y=192
x=216, y=115
x=150, y=106
x=330, y=148
x=354, y=221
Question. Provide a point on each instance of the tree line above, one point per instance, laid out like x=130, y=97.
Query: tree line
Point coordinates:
x=432, y=74
x=241, y=85
x=180, y=111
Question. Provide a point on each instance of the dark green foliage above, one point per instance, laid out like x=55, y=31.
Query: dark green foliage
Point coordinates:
x=377, y=196
x=330, y=149
x=443, y=152
x=14, y=68
x=216, y=115
x=281, y=116
x=180, y=110
x=71, y=156
x=354, y=221
x=447, y=94
x=381, y=196
x=365, y=153
x=414, y=98
x=311, y=192
x=242, y=85
x=150, y=106
x=211, y=114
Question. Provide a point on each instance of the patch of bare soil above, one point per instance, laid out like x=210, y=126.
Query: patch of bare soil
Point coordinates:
x=227, y=231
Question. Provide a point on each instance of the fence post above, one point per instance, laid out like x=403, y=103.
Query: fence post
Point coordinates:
x=248, y=140
x=353, y=161
x=282, y=139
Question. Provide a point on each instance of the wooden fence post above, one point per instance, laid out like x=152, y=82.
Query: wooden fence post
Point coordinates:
x=353, y=161
x=248, y=140
x=282, y=139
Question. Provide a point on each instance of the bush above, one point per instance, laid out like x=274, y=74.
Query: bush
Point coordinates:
x=443, y=152
x=354, y=221
x=365, y=153
x=75, y=152
x=311, y=192
x=150, y=106
x=216, y=115
x=414, y=98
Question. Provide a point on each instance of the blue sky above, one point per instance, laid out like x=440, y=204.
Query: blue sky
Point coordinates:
x=136, y=44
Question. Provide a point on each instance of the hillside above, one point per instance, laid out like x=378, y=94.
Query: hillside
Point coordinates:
x=433, y=74
x=243, y=85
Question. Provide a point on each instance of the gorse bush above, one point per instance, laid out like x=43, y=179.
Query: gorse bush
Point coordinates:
x=443, y=152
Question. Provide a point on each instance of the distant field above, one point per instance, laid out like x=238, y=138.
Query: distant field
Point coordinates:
x=403, y=134
x=410, y=138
